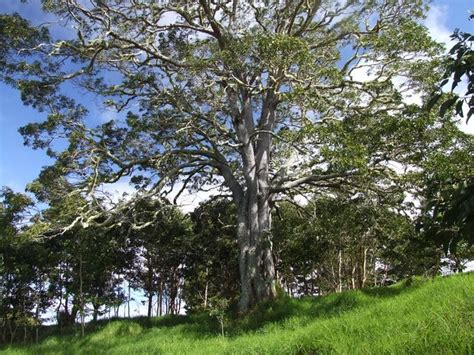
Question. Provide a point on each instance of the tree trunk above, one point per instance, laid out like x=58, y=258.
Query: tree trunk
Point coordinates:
x=4, y=329
x=353, y=276
x=339, y=271
x=206, y=289
x=150, y=304
x=129, y=300
x=12, y=332
x=174, y=291
x=257, y=269
x=160, y=300
x=364, y=269
x=256, y=265
x=81, y=294
x=37, y=311
x=95, y=313
x=375, y=270
x=150, y=286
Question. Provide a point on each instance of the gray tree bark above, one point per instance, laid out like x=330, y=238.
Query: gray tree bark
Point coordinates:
x=256, y=264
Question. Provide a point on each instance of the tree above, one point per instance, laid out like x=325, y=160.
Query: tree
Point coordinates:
x=339, y=242
x=160, y=251
x=211, y=264
x=447, y=196
x=24, y=266
x=257, y=96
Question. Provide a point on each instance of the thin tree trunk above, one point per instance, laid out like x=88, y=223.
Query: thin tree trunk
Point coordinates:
x=4, y=329
x=364, y=268
x=375, y=271
x=12, y=333
x=206, y=288
x=129, y=300
x=150, y=304
x=37, y=311
x=174, y=291
x=81, y=294
x=160, y=299
x=95, y=312
x=339, y=271
x=24, y=326
x=353, y=276
x=150, y=287
x=158, y=296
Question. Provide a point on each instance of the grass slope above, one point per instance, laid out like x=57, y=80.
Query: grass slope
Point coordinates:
x=427, y=317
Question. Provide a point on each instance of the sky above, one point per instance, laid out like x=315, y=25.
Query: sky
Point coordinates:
x=20, y=165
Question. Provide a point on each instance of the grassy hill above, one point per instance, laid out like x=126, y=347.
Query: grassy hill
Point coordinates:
x=423, y=316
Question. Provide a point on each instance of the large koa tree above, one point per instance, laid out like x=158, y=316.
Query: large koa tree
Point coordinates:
x=266, y=98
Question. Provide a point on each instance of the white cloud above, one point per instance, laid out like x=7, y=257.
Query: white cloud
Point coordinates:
x=189, y=201
x=107, y=114
x=436, y=23
x=168, y=18
x=186, y=202
x=410, y=96
x=362, y=72
x=120, y=190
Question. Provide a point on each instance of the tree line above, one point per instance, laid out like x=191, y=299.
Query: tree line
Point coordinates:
x=189, y=262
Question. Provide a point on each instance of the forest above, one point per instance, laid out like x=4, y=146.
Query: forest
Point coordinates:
x=324, y=135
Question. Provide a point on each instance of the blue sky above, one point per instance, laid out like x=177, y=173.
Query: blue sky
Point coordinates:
x=19, y=165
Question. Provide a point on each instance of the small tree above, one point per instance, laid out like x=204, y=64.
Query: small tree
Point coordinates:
x=217, y=308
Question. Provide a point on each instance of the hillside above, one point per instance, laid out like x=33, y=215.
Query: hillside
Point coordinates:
x=430, y=316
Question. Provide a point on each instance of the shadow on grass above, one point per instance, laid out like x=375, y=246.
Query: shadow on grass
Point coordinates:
x=106, y=334
x=306, y=309
x=404, y=286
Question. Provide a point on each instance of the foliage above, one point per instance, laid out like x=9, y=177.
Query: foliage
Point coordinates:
x=23, y=266
x=217, y=308
x=159, y=249
x=446, y=193
x=341, y=242
x=460, y=64
x=212, y=255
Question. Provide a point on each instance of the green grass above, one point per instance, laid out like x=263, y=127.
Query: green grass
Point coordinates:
x=425, y=317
